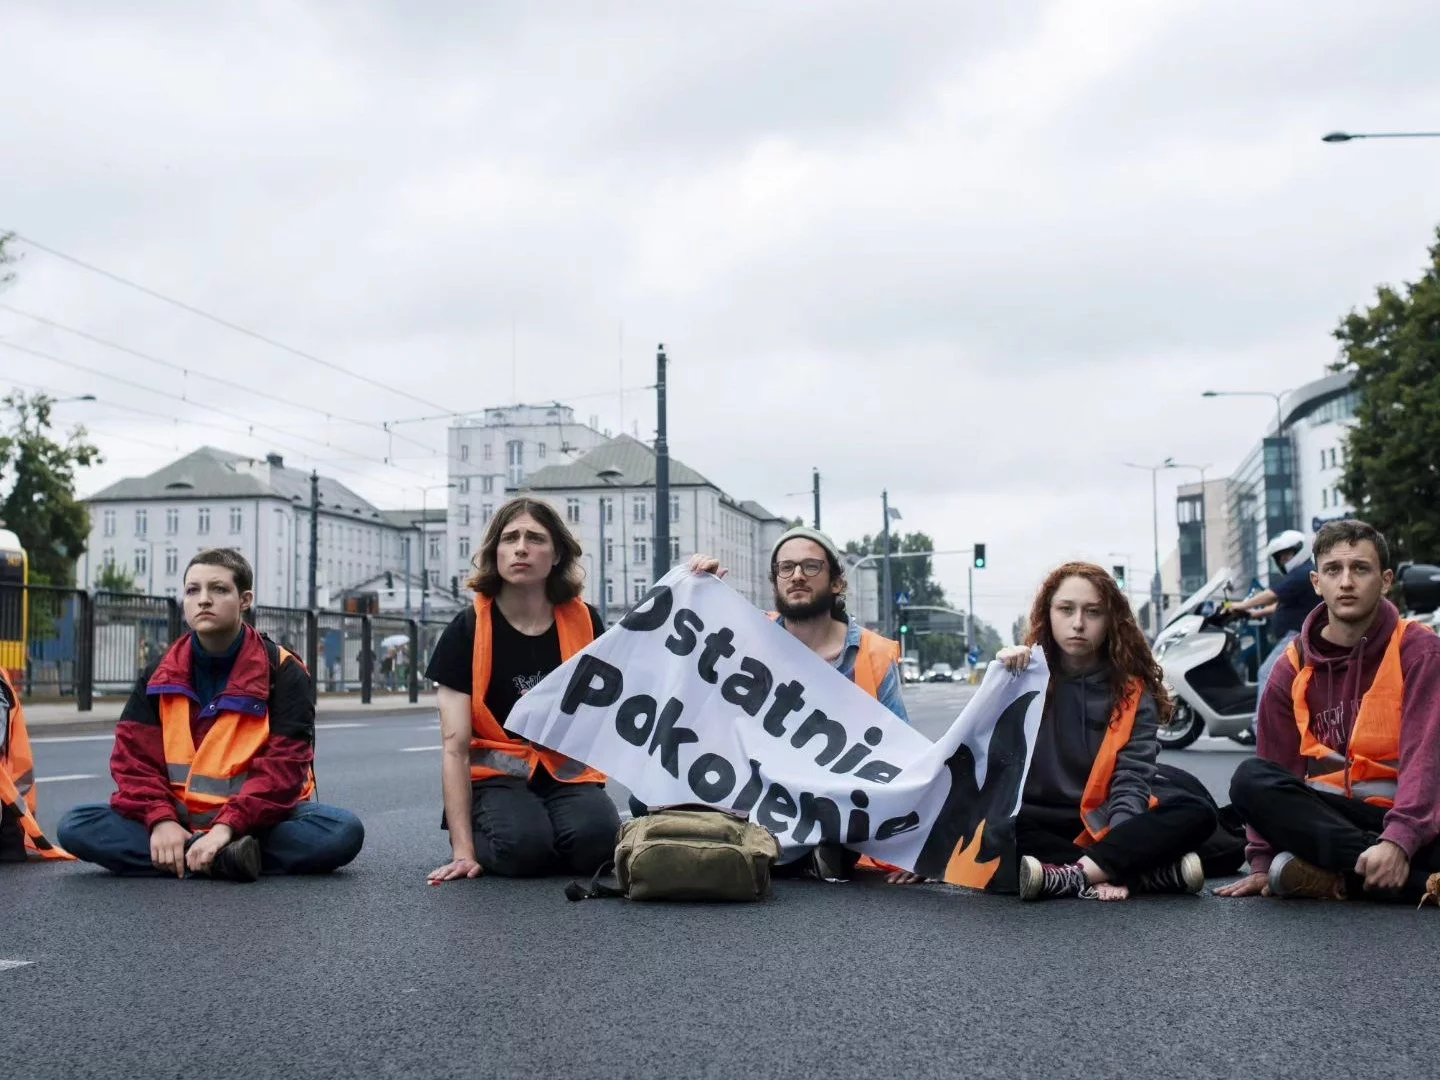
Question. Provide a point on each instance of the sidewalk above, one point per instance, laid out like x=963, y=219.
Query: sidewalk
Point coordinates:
x=107, y=710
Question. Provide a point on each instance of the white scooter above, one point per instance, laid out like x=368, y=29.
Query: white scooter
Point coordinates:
x=1199, y=654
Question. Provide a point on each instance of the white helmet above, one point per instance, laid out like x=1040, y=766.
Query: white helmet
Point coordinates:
x=1289, y=540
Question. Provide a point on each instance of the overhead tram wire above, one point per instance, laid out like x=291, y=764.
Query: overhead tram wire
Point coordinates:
x=250, y=424
x=188, y=372
x=236, y=327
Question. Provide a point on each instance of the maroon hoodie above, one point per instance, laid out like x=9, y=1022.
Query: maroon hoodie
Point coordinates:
x=1340, y=680
x=278, y=771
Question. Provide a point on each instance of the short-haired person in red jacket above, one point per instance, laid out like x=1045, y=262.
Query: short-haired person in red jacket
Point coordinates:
x=1342, y=798
x=213, y=757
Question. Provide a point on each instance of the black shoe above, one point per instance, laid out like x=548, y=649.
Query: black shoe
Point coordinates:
x=1050, y=881
x=828, y=862
x=238, y=860
x=1185, y=876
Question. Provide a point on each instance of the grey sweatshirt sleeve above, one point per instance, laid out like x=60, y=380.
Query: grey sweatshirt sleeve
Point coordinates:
x=1135, y=767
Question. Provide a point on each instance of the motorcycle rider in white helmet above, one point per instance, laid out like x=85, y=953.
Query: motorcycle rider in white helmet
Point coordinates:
x=1289, y=599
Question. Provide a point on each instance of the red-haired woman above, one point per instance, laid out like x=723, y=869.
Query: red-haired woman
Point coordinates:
x=1089, y=825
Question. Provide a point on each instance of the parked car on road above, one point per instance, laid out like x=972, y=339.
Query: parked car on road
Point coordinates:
x=940, y=673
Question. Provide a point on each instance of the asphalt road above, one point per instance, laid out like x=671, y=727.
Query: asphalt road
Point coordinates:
x=371, y=972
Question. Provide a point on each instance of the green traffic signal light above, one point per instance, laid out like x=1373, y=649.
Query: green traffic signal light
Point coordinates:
x=979, y=556
x=904, y=630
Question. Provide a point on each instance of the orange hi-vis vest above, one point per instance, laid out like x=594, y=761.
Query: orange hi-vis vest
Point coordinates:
x=1102, y=771
x=873, y=662
x=17, y=779
x=1369, y=767
x=493, y=750
x=204, y=778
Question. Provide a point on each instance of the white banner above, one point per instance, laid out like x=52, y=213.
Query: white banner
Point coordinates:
x=696, y=697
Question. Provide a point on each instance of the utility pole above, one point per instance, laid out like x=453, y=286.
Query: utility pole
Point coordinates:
x=407, y=576
x=888, y=600
x=815, y=487
x=314, y=539
x=662, y=474
x=970, y=611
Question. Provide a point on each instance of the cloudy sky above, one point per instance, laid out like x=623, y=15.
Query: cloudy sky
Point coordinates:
x=978, y=254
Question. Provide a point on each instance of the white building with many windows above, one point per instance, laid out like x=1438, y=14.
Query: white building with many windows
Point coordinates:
x=150, y=526
x=490, y=457
x=612, y=489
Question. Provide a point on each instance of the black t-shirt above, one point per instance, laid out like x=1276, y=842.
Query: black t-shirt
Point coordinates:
x=518, y=661
x=1295, y=598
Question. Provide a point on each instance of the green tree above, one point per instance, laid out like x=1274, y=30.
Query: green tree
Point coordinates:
x=6, y=259
x=906, y=575
x=37, y=478
x=114, y=578
x=1391, y=477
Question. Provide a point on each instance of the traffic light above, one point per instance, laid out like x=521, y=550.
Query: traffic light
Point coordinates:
x=389, y=581
x=1119, y=572
x=904, y=629
x=979, y=556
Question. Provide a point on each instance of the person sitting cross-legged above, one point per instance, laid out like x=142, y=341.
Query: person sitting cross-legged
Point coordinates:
x=1094, y=821
x=1342, y=799
x=213, y=754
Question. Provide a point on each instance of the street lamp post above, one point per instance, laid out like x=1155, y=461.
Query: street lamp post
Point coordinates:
x=1345, y=136
x=1279, y=418
x=1155, y=590
x=607, y=476
x=889, y=609
x=425, y=543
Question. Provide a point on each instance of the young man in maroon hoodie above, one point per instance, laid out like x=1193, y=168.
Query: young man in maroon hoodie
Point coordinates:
x=214, y=752
x=1343, y=798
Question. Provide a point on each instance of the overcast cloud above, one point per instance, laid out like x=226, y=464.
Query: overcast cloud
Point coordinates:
x=979, y=254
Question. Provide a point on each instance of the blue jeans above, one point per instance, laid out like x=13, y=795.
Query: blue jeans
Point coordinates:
x=1262, y=677
x=315, y=839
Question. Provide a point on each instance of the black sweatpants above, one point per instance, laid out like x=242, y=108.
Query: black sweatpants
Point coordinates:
x=541, y=826
x=1328, y=830
x=1148, y=841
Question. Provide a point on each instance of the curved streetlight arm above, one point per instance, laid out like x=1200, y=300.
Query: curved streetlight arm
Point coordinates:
x=1346, y=136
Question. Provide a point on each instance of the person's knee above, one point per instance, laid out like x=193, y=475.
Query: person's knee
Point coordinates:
x=593, y=844
x=346, y=837
x=75, y=831
x=519, y=855
x=1249, y=783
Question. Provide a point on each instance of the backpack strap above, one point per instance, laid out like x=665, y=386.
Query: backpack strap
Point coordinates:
x=596, y=890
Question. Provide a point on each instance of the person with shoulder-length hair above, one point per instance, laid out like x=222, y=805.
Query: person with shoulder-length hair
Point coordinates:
x=1090, y=824
x=514, y=808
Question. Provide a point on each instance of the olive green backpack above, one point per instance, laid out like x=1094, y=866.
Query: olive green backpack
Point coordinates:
x=687, y=852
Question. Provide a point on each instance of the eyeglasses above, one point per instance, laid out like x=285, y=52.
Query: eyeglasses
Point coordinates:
x=807, y=567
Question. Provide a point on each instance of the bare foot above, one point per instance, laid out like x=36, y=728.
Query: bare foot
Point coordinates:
x=903, y=877
x=1107, y=891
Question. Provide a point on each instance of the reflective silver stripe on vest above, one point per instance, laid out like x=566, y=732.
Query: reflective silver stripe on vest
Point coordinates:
x=1095, y=821
x=194, y=819
x=25, y=781
x=1374, y=789
x=178, y=774
x=570, y=770
x=500, y=762
x=221, y=787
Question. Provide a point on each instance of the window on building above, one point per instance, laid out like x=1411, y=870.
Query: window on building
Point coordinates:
x=515, y=460
x=486, y=511
x=641, y=550
x=1336, y=498
x=674, y=508
x=487, y=485
x=1324, y=498
x=237, y=520
x=202, y=521
x=607, y=510
x=485, y=452
x=142, y=561
x=674, y=550
x=107, y=558
x=572, y=511
x=464, y=513
x=463, y=549
x=464, y=451
x=540, y=449
x=637, y=590
x=142, y=522
x=107, y=520
x=172, y=561
x=434, y=578
x=609, y=590
x=610, y=549
x=464, y=487
x=638, y=509
x=172, y=521
x=434, y=547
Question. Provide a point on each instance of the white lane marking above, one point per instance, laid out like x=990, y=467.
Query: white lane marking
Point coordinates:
x=6, y=965
x=336, y=725
x=72, y=738
x=417, y=749
x=67, y=776
x=432, y=726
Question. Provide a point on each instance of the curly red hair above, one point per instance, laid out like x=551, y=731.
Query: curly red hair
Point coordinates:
x=1126, y=650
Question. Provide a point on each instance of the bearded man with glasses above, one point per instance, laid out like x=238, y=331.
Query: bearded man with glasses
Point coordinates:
x=809, y=582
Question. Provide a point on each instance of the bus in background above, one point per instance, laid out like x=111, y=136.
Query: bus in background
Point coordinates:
x=14, y=609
